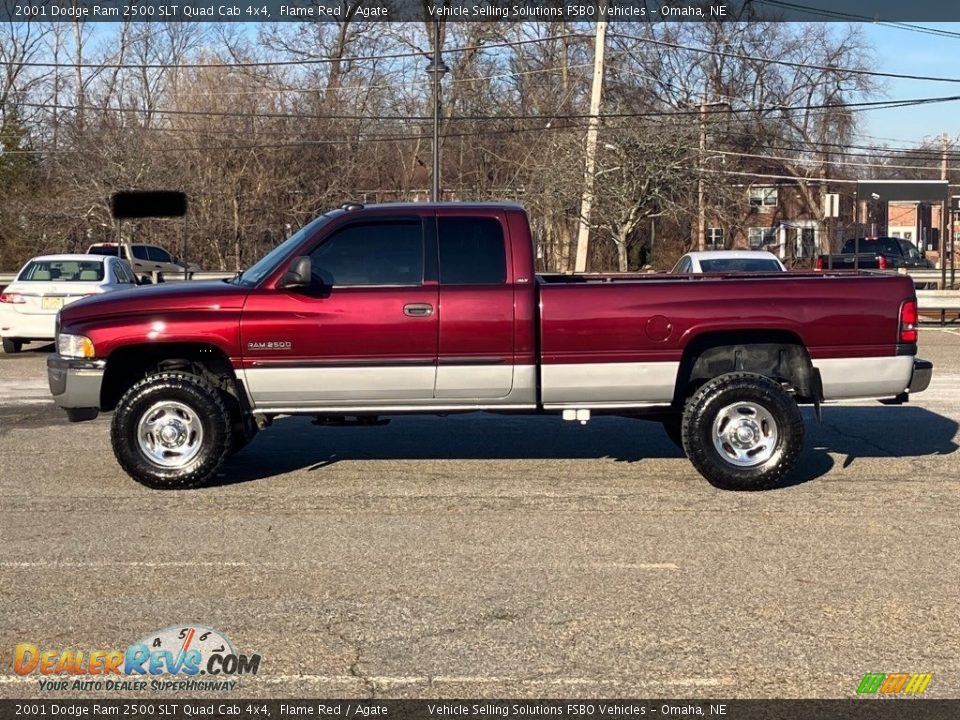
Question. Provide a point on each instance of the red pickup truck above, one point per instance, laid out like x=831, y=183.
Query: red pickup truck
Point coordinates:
x=436, y=308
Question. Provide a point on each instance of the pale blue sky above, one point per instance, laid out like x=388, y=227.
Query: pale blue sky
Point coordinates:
x=901, y=51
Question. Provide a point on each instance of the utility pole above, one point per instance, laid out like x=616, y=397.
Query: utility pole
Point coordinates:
x=590, y=160
x=701, y=213
x=943, y=217
x=436, y=70
x=701, y=210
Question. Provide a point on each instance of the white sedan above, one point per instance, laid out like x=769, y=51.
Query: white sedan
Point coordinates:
x=29, y=305
x=729, y=261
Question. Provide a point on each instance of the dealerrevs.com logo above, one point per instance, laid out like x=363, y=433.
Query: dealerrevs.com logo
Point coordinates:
x=181, y=657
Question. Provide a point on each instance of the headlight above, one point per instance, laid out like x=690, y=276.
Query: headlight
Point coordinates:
x=74, y=346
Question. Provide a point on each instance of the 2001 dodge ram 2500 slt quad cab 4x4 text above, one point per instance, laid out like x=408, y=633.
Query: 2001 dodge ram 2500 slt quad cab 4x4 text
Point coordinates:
x=437, y=308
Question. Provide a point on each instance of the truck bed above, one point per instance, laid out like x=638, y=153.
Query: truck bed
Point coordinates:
x=615, y=340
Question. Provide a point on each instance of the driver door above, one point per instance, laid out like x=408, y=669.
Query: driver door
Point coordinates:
x=363, y=335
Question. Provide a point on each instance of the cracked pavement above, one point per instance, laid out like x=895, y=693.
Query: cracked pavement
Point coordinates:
x=486, y=556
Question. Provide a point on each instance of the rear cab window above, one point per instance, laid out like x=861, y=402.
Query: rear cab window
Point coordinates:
x=106, y=250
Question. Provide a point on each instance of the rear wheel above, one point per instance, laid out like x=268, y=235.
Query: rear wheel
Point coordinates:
x=743, y=431
x=12, y=345
x=171, y=431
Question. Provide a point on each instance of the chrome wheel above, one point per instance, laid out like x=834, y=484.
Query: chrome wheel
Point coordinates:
x=170, y=434
x=745, y=434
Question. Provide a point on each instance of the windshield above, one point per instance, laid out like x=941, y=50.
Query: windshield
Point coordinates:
x=739, y=265
x=265, y=265
x=876, y=246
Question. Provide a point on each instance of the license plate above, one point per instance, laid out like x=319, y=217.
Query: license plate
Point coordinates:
x=51, y=303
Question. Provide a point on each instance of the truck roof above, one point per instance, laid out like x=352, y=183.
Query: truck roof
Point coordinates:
x=419, y=207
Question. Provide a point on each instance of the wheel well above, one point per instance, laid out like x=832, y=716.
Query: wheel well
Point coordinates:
x=128, y=365
x=779, y=355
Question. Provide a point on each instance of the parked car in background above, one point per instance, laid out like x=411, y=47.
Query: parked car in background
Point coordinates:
x=29, y=305
x=146, y=259
x=883, y=253
x=728, y=261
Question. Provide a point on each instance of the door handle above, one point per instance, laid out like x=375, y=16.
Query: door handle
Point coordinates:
x=418, y=310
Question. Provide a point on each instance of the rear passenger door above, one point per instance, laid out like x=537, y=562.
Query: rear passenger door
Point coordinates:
x=476, y=343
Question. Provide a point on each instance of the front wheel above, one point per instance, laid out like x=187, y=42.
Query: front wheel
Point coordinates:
x=171, y=431
x=743, y=431
x=12, y=345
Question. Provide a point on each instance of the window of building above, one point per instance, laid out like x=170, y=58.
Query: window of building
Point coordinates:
x=714, y=239
x=763, y=196
x=759, y=237
x=471, y=251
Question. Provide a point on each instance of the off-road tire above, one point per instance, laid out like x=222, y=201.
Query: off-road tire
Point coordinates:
x=12, y=345
x=698, y=431
x=192, y=391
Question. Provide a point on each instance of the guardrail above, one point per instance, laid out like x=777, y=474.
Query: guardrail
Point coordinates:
x=942, y=302
x=200, y=276
x=927, y=278
x=7, y=278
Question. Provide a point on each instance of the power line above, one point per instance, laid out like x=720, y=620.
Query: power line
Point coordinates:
x=840, y=15
x=789, y=63
x=780, y=177
x=812, y=161
x=285, y=63
x=850, y=106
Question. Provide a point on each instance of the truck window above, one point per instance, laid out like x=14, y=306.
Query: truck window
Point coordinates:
x=108, y=250
x=139, y=252
x=909, y=250
x=472, y=251
x=158, y=254
x=385, y=253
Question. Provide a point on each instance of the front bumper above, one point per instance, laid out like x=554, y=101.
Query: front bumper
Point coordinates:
x=922, y=372
x=75, y=385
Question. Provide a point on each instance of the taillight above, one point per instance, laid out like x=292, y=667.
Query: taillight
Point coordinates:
x=908, y=322
x=819, y=264
x=882, y=262
x=12, y=298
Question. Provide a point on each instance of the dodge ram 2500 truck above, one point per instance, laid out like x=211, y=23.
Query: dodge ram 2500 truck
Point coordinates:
x=436, y=308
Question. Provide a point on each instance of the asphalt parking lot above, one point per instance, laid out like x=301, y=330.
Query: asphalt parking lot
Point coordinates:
x=492, y=556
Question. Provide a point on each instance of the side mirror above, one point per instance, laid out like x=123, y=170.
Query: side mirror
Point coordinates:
x=144, y=280
x=297, y=275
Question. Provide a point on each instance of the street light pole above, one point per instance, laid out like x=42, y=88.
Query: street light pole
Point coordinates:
x=436, y=69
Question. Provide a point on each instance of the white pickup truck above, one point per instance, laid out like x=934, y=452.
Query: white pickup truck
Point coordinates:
x=145, y=259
